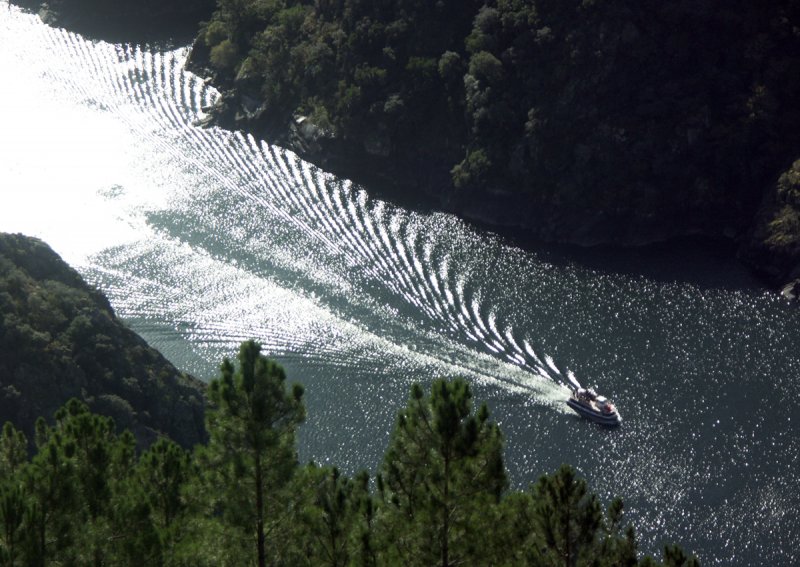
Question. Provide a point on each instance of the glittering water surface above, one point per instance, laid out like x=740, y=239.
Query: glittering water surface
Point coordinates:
x=204, y=238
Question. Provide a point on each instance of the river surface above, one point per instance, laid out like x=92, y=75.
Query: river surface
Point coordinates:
x=204, y=238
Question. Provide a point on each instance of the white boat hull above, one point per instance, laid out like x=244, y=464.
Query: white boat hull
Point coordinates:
x=610, y=419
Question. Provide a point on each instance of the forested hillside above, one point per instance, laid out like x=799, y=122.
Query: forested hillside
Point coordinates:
x=583, y=121
x=60, y=339
x=440, y=497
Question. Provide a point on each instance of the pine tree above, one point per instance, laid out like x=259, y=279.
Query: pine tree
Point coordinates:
x=88, y=440
x=14, y=507
x=674, y=556
x=12, y=518
x=162, y=473
x=13, y=450
x=337, y=518
x=567, y=517
x=617, y=546
x=131, y=537
x=442, y=476
x=251, y=454
x=82, y=510
x=51, y=484
x=560, y=523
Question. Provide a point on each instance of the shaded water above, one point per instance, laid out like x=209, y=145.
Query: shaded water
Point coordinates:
x=203, y=238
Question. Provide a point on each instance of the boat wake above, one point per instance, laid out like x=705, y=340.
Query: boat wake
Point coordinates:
x=232, y=238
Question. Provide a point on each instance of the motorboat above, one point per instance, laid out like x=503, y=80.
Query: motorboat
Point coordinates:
x=588, y=404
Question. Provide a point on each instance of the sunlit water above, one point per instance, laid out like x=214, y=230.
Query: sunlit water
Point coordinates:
x=203, y=238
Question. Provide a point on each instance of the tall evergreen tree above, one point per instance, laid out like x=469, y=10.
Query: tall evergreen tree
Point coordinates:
x=560, y=523
x=162, y=473
x=50, y=483
x=13, y=509
x=567, y=517
x=251, y=454
x=13, y=450
x=337, y=518
x=88, y=440
x=442, y=475
x=674, y=556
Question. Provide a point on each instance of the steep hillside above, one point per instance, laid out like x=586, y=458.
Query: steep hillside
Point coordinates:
x=59, y=338
x=581, y=121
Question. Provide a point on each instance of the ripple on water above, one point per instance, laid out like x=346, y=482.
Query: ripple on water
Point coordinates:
x=227, y=237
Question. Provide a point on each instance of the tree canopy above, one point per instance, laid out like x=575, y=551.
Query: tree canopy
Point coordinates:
x=441, y=496
x=60, y=338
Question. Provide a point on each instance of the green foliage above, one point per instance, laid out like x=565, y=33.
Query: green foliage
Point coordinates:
x=59, y=338
x=472, y=170
x=215, y=33
x=13, y=508
x=567, y=516
x=161, y=472
x=157, y=485
x=443, y=470
x=773, y=247
x=450, y=67
x=789, y=185
x=86, y=497
x=224, y=55
x=251, y=458
x=13, y=450
x=784, y=228
x=486, y=67
x=336, y=517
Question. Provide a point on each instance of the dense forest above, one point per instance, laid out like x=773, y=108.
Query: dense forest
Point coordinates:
x=585, y=121
x=60, y=339
x=440, y=498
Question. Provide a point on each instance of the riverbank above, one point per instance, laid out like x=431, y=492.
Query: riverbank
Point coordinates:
x=662, y=154
x=768, y=244
x=568, y=124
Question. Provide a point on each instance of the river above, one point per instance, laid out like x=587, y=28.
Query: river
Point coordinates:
x=204, y=238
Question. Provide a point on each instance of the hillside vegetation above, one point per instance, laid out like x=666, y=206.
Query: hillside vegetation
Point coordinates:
x=440, y=497
x=60, y=339
x=584, y=121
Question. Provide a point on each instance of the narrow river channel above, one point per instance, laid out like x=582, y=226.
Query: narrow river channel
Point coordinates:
x=204, y=238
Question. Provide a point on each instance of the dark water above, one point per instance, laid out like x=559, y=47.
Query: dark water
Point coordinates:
x=204, y=238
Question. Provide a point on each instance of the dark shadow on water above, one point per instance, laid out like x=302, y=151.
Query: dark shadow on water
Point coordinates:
x=162, y=32
x=704, y=262
x=164, y=35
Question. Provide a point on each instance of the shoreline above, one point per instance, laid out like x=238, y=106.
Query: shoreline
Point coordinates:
x=424, y=185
